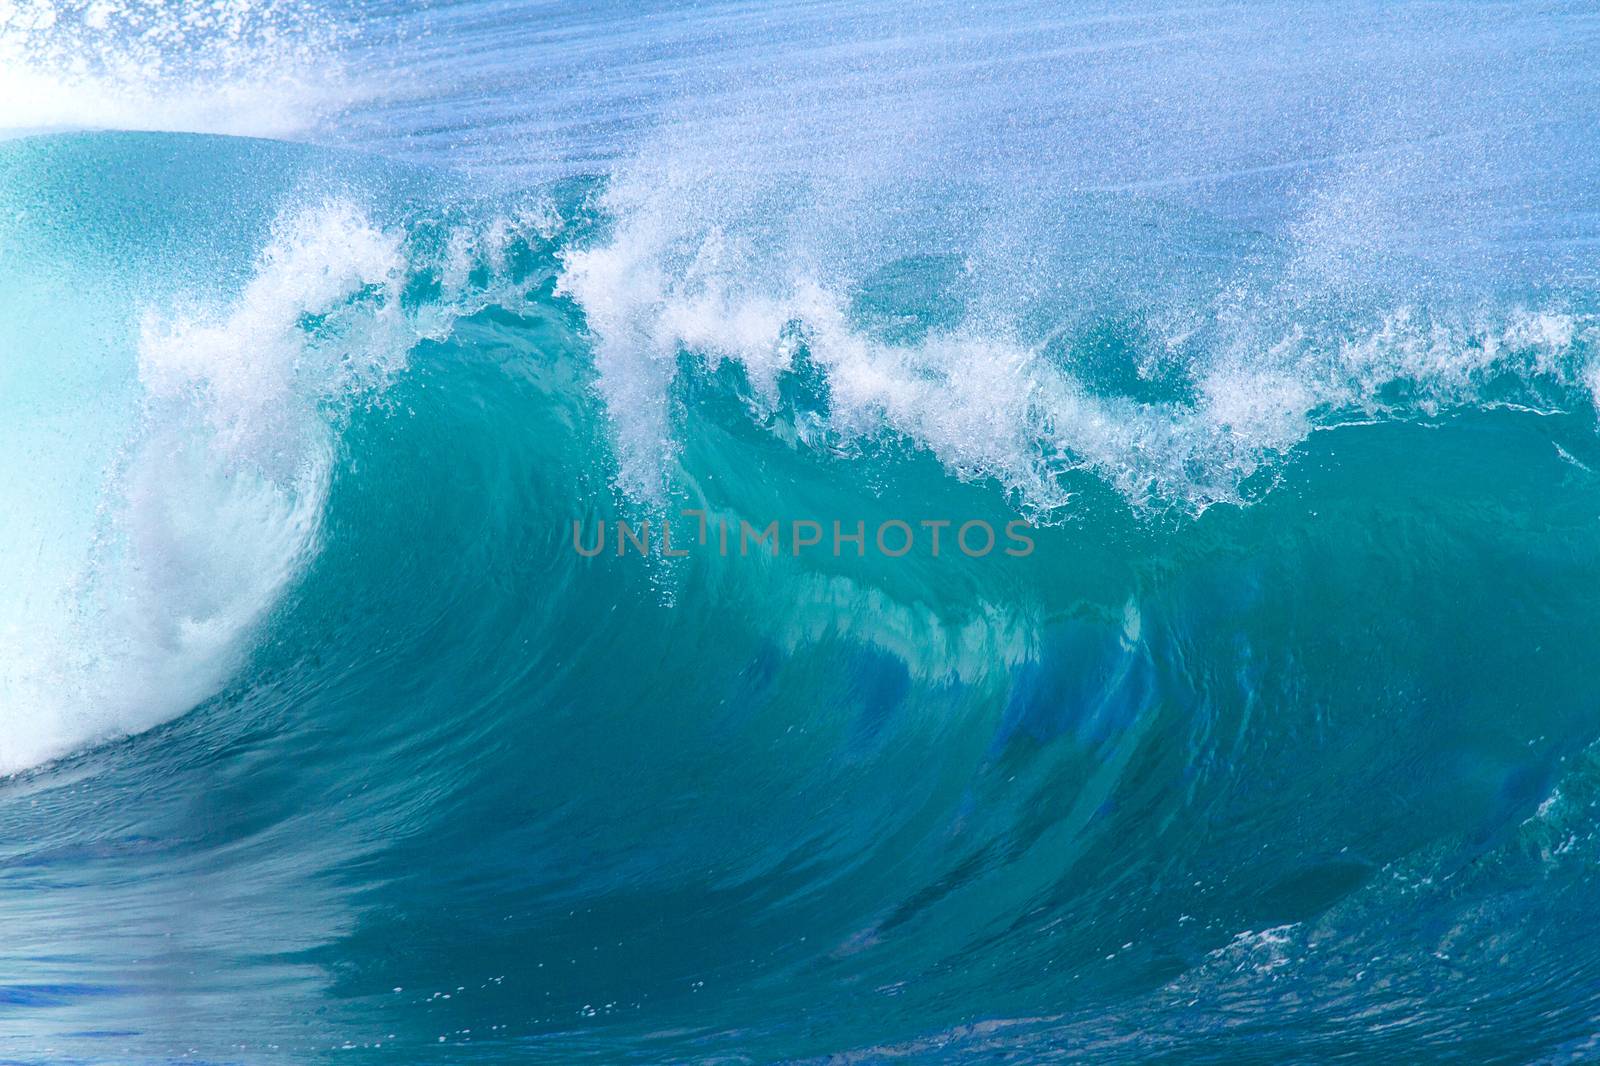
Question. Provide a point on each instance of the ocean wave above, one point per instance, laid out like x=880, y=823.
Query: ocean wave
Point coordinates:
x=213, y=495
x=319, y=735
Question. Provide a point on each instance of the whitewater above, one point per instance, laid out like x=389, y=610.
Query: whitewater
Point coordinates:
x=329, y=332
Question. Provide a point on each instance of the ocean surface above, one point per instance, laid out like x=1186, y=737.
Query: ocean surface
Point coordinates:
x=332, y=337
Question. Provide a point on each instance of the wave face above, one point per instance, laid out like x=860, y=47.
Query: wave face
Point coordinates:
x=326, y=734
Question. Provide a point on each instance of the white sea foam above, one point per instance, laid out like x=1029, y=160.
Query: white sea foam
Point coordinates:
x=679, y=273
x=213, y=508
x=208, y=502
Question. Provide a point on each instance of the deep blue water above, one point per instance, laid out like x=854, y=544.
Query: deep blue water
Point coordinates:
x=1272, y=330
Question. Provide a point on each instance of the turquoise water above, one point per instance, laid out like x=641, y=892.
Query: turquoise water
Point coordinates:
x=1277, y=326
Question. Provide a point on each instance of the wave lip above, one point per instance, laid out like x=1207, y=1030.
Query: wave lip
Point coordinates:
x=195, y=493
x=1229, y=372
x=212, y=503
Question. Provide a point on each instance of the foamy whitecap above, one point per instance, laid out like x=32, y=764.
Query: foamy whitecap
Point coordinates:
x=211, y=508
x=1259, y=369
x=214, y=506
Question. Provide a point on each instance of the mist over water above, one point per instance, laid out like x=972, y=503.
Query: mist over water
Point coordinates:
x=323, y=324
